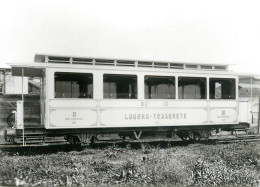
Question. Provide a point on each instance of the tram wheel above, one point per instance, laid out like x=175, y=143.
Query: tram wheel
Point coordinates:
x=196, y=138
x=93, y=139
x=73, y=140
x=184, y=138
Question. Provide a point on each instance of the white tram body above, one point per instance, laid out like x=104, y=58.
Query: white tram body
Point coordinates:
x=105, y=113
x=91, y=95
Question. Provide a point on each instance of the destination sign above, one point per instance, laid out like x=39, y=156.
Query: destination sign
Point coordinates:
x=144, y=116
x=149, y=116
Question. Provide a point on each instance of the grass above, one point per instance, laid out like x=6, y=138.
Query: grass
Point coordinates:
x=195, y=164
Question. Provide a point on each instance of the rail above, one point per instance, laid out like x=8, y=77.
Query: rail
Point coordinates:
x=214, y=139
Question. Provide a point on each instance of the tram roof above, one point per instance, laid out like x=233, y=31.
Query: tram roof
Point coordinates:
x=35, y=69
x=128, y=63
x=50, y=61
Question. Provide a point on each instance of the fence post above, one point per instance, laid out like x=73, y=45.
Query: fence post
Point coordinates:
x=258, y=124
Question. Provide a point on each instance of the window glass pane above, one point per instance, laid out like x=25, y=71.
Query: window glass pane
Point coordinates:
x=221, y=88
x=120, y=86
x=192, y=88
x=159, y=87
x=73, y=85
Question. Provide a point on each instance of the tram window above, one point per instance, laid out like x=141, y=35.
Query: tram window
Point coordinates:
x=159, y=87
x=192, y=88
x=73, y=85
x=221, y=88
x=120, y=86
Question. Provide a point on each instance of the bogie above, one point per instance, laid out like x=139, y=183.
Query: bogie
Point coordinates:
x=194, y=135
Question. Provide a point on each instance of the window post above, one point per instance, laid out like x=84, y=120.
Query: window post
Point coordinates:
x=140, y=86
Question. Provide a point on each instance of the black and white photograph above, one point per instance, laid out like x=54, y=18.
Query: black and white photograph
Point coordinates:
x=130, y=93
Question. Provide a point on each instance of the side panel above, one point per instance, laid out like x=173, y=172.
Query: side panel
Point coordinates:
x=72, y=113
x=152, y=113
x=88, y=113
x=223, y=111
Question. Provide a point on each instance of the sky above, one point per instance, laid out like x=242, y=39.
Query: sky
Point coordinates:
x=194, y=31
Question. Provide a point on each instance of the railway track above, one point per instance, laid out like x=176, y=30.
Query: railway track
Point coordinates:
x=237, y=138
x=215, y=139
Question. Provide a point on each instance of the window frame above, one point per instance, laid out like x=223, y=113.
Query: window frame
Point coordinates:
x=120, y=74
x=199, y=77
x=224, y=78
x=161, y=76
x=72, y=72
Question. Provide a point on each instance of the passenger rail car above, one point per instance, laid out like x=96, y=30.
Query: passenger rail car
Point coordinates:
x=84, y=97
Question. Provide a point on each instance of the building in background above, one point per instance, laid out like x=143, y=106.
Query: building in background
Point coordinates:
x=12, y=85
x=249, y=86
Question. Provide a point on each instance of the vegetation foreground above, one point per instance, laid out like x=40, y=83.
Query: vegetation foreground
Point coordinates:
x=195, y=164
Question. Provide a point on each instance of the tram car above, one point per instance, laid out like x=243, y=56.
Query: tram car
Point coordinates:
x=82, y=98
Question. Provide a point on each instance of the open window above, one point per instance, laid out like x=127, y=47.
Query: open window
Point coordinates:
x=222, y=88
x=120, y=86
x=192, y=88
x=159, y=87
x=73, y=85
